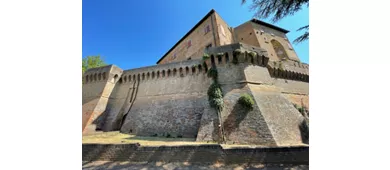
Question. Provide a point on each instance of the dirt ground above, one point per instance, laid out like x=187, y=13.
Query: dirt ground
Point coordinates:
x=100, y=165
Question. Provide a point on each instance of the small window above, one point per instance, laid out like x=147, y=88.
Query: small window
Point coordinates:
x=207, y=29
x=189, y=44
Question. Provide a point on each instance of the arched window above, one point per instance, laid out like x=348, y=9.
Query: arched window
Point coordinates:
x=187, y=70
x=226, y=57
x=158, y=74
x=181, y=71
x=199, y=68
x=100, y=76
x=129, y=78
x=163, y=73
x=193, y=69
x=212, y=61
x=153, y=75
x=94, y=77
x=104, y=75
x=143, y=76
x=279, y=49
x=147, y=76
x=174, y=72
x=169, y=72
x=124, y=79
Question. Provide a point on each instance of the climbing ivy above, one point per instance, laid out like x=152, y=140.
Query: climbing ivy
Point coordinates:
x=205, y=56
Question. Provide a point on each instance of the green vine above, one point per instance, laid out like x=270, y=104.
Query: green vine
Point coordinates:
x=214, y=92
x=252, y=54
x=213, y=73
x=205, y=56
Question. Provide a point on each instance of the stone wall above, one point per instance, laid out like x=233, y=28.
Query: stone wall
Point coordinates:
x=97, y=87
x=298, y=155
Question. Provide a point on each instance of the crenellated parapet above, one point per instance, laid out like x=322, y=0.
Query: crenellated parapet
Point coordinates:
x=289, y=69
x=101, y=74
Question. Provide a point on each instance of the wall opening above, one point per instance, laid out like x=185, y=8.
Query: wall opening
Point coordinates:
x=104, y=75
x=115, y=77
x=193, y=69
x=100, y=76
x=124, y=79
x=226, y=57
x=199, y=68
x=279, y=49
x=212, y=61
x=219, y=57
x=187, y=70
x=158, y=74
x=163, y=73
x=168, y=73
x=147, y=76
x=174, y=72
x=94, y=77
x=181, y=71
x=143, y=76
x=153, y=75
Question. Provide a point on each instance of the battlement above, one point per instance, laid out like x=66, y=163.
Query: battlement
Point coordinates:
x=288, y=69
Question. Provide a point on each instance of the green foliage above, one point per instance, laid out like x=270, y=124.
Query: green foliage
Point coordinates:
x=213, y=73
x=92, y=62
x=205, y=56
x=252, y=54
x=215, y=96
x=279, y=9
x=246, y=100
x=214, y=91
x=237, y=52
x=216, y=103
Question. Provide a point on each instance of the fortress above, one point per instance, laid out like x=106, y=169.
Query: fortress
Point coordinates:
x=171, y=98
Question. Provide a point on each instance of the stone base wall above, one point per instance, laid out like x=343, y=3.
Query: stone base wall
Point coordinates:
x=297, y=155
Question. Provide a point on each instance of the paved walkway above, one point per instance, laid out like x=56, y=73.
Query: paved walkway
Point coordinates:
x=100, y=165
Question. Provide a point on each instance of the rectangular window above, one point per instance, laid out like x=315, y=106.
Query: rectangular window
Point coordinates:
x=206, y=29
x=189, y=44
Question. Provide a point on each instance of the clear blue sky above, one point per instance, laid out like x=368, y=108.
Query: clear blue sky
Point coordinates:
x=132, y=33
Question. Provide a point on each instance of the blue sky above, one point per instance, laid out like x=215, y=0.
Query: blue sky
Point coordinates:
x=132, y=34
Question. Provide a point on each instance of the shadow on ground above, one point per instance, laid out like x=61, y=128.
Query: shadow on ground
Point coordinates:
x=100, y=165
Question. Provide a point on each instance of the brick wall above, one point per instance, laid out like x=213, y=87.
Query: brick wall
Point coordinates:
x=195, y=154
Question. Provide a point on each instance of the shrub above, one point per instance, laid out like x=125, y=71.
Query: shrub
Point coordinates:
x=246, y=101
x=213, y=73
x=237, y=52
x=216, y=103
x=214, y=91
x=205, y=56
x=252, y=54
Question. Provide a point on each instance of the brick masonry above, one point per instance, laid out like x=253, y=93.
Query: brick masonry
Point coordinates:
x=297, y=155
